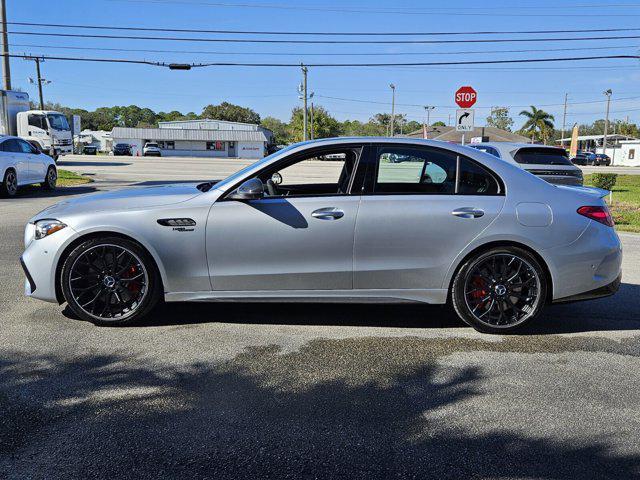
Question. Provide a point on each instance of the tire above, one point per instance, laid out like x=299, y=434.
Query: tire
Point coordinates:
x=9, y=186
x=107, y=293
x=51, y=179
x=493, y=300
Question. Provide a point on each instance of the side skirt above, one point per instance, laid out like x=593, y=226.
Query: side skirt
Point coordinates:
x=436, y=296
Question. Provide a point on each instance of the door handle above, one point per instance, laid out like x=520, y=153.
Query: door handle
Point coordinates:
x=468, y=212
x=328, y=213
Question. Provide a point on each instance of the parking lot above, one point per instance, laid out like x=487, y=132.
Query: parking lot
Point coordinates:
x=308, y=391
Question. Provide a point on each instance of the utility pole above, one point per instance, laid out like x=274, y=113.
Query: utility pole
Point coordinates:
x=311, y=132
x=6, y=70
x=39, y=79
x=393, y=107
x=564, y=119
x=606, y=122
x=427, y=109
x=304, y=96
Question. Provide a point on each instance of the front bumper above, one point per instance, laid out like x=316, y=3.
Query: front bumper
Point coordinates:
x=40, y=260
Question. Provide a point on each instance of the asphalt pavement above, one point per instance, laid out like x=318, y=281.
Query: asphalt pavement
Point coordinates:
x=309, y=391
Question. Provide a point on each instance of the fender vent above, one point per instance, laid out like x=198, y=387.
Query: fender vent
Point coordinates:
x=177, y=222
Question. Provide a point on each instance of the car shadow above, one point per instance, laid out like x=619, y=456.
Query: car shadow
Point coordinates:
x=615, y=313
x=33, y=191
x=87, y=163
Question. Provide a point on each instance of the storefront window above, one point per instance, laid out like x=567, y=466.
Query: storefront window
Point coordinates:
x=217, y=146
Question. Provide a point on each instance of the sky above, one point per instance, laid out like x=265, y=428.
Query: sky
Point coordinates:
x=357, y=92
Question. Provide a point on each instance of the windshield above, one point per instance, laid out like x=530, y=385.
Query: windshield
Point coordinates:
x=122, y=145
x=152, y=145
x=234, y=177
x=57, y=121
x=542, y=156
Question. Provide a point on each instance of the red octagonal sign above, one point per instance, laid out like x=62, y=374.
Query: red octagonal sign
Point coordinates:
x=466, y=97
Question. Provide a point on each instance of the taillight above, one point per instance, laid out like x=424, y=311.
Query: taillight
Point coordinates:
x=599, y=214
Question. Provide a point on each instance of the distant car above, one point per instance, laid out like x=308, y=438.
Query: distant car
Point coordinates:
x=581, y=158
x=122, y=149
x=151, y=149
x=90, y=150
x=549, y=163
x=602, y=159
x=22, y=164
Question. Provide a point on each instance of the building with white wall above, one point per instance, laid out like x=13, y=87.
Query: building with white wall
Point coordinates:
x=101, y=139
x=199, y=138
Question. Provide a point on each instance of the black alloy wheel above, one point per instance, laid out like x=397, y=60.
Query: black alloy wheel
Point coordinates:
x=110, y=281
x=500, y=290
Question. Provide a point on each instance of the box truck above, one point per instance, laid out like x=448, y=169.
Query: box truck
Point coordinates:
x=47, y=130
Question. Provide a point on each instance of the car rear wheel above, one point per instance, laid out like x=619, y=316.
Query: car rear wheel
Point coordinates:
x=110, y=281
x=9, y=186
x=500, y=290
x=51, y=179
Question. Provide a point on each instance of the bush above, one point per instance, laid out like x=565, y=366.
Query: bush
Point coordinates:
x=605, y=181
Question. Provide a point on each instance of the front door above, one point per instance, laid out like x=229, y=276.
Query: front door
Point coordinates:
x=298, y=237
x=37, y=167
x=232, y=149
x=422, y=206
x=21, y=160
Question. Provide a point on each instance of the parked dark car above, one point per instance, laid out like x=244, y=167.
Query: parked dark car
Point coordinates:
x=591, y=158
x=581, y=158
x=602, y=159
x=122, y=149
x=90, y=150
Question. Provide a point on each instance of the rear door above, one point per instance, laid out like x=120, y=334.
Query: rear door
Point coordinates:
x=12, y=148
x=420, y=208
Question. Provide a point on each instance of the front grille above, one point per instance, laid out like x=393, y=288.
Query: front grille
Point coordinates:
x=557, y=173
x=63, y=142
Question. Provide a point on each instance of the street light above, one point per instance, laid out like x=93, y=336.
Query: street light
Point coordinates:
x=606, y=122
x=427, y=109
x=393, y=106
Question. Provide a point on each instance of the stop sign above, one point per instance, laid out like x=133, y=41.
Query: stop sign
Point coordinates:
x=466, y=97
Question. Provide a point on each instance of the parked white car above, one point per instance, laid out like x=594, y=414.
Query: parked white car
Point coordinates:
x=151, y=149
x=22, y=164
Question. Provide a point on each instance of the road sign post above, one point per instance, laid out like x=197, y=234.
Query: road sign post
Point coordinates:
x=465, y=98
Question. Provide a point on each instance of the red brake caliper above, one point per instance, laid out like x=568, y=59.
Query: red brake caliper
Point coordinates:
x=133, y=287
x=480, y=290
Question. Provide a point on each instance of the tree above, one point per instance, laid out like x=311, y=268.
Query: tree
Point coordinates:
x=230, y=112
x=324, y=125
x=539, y=124
x=500, y=118
x=279, y=129
x=439, y=124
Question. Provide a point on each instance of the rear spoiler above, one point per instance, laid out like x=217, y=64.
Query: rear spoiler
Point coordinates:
x=599, y=192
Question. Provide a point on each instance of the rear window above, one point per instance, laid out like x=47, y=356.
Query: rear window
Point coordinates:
x=152, y=145
x=542, y=156
x=122, y=145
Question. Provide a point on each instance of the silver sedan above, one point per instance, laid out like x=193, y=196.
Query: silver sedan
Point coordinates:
x=341, y=220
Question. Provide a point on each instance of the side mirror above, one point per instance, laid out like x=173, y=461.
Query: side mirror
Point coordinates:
x=250, y=190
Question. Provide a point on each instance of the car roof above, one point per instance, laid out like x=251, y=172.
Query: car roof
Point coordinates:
x=513, y=145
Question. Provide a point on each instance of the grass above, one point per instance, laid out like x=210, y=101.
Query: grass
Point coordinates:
x=626, y=202
x=70, y=179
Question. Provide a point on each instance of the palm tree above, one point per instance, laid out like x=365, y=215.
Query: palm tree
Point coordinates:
x=537, y=121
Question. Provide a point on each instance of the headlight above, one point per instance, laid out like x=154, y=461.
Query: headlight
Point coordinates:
x=44, y=228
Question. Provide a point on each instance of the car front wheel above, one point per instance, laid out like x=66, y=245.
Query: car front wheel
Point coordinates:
x=500, y=290
x=110, y=281
x=51, y=179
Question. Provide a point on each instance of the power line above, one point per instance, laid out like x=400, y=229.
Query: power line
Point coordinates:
x=398, y=11
x=304, y=54
x=326, y=42
x=239, y=64
x=307, y=33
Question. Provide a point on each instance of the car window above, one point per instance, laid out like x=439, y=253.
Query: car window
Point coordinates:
x=414, y=170
x=542, y=156
x=406, y=170
x=25, y=147
x=327, y=172
x=487, y=149
x=11, y=145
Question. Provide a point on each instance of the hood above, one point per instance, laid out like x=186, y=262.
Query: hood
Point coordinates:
x=125, y=199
